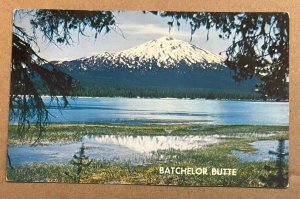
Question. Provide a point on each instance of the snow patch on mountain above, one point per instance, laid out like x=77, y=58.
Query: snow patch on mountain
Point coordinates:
x=168, y=51
x=165, y=52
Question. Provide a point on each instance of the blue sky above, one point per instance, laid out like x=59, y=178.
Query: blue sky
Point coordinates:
x=137, y=28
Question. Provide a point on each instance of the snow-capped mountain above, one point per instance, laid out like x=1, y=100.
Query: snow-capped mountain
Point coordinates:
x=161, y=64
x=164, y=52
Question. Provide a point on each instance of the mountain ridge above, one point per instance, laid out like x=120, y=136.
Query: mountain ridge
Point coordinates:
x=164, y=63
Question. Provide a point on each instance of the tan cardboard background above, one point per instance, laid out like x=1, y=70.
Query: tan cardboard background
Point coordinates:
x=56, y=190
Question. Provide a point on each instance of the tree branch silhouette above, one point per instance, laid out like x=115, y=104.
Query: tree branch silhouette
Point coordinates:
x=260, y=45
x=30, y=73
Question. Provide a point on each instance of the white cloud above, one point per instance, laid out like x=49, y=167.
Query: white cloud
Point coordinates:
x=151, y=29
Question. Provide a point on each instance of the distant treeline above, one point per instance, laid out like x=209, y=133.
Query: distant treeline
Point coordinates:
x=163, y=93
x=134, y=92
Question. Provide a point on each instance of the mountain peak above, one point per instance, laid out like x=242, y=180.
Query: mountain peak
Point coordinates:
x=164, y=52
x=167, y=51
x=165, y=38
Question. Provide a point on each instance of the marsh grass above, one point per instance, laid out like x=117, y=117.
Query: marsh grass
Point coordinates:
x=71, y=133
x=104, y=172
x=108, y=172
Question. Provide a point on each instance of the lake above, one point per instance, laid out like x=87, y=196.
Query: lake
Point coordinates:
x=169, y=111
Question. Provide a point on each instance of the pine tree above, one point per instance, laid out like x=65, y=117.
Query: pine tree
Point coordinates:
x=280, y=178
x=80, y=160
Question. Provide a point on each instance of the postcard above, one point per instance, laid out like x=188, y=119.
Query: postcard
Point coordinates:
x=149, y=98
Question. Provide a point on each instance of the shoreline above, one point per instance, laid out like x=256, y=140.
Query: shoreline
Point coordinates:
x=169, y=98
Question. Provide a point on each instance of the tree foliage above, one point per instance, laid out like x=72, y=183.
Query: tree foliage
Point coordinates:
x=25, y=99
x=80, y=161
x=278, y=175
x=57, y=26
x=26, y=103
x=260, y=45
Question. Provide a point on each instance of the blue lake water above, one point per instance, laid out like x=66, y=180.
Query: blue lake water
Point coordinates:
x=170, y=111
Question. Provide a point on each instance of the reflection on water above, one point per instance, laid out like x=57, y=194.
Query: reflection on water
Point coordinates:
x=134, y=149
x=146, y=144
x=262, y=153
